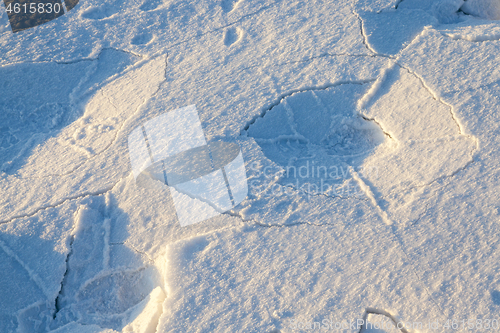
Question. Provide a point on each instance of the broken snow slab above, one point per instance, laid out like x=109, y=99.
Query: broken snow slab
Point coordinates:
x=258, y=279
x=427, y=140
x=388, y=32
x=33, y=254
x=95, y=130
x=243, y=104
x=454, y=239
x=32, y=127
x=59, y=266
x=67, y=163
x=95, y=290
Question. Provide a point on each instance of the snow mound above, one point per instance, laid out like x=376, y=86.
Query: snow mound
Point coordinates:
x=447, y=11
x=488, y=9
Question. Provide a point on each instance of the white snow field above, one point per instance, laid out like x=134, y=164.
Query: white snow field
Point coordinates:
x=370, y=132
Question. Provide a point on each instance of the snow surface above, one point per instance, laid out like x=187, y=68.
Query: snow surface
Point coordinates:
x=396, y=99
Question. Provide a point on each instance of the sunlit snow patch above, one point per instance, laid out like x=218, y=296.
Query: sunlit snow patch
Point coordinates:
x=72, y=115
x=39, y=131
x=430, y=140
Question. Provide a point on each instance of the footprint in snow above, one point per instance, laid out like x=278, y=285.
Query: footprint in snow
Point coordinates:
x=150, y=5
x=142, y=39
x=229, y=5
x=232, y=35
x=99, y=13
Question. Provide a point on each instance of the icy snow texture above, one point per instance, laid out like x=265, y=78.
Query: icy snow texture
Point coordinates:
x=81, y=242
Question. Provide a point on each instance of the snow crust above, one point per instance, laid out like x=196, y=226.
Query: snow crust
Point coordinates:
x=396, y=100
